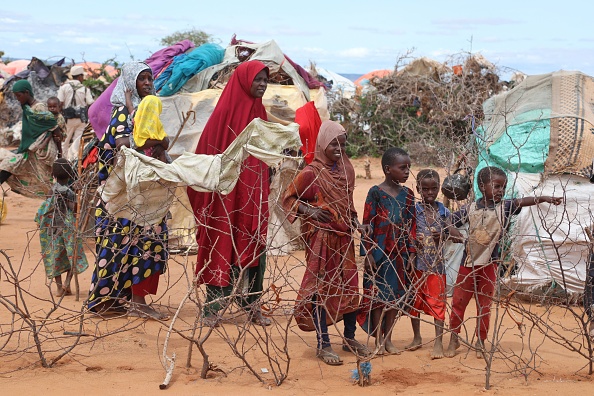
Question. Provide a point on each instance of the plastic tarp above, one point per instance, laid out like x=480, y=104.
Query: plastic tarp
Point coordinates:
x=560, y=102
x=549, y=245
x=142, y=189
x=540, y=134
x=279, y=100
x=340, y=85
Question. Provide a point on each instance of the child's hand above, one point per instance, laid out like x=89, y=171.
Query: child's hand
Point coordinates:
x=436, y=235
x=455, y=235
x=552, y=200
x=369, y=265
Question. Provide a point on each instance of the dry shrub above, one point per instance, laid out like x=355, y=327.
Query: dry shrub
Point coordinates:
x=424, y=103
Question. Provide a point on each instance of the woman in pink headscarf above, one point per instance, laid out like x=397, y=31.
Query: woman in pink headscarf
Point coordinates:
x=322, y=195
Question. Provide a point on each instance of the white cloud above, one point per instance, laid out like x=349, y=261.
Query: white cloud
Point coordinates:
x=314, y=50
x=358, y=52
x=473, y=22
x=32, y=40
x=87, y=40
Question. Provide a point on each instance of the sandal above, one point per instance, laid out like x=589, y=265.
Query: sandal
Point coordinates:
x=258, y=318
x=146, y=311
x=328, y=356
x=354, y=346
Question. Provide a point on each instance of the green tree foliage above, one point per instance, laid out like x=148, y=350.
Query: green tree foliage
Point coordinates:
x=198, y=37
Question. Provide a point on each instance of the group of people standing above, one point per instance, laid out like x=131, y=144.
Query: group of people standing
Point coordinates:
x=232, y=228
x=39, y=158
x=402, y=236
x=402, y=245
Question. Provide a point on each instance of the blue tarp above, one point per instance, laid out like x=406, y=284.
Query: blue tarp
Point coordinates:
x=185, y=66
x=522, y=148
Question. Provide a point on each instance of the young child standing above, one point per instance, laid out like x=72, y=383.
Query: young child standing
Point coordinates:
x=388, y=250
x=148, y=133
x=56, y=229
x=59, y=135
x=488, y=218
x=434, y=225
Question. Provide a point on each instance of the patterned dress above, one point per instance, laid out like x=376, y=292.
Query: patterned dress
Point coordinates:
x=393, y=233
x=127, y=254
x=57, y=234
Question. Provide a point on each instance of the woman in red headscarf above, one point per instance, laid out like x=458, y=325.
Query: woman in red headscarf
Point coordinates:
x=232, y=228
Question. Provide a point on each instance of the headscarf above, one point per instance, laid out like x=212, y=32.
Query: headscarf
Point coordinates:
x=147, y=124
x=35, y=123
x=235, y=109
x=235, y=225
x=334, y=178
x=309, y=122
x=127, y=80
x=23, y=86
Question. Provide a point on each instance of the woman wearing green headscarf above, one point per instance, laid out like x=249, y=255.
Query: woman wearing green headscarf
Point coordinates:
x=28, y=170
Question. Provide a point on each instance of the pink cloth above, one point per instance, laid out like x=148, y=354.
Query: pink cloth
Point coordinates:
x=100, y=110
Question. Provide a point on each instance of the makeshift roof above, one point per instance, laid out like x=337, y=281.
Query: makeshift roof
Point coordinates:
x=365, y=78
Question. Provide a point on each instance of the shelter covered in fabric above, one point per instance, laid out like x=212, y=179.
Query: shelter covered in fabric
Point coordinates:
x=186, y=112
x=540, y=133
x=340, y=85
x=365, y=78
x=268, y=52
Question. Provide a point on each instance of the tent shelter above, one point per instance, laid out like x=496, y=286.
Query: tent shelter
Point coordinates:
x=365, y=78
x=540, y=133
x=94, y=68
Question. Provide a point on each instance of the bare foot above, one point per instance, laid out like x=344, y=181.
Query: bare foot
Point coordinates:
x=145, y=311
x=379, y=350
x=480, y=349
x=391, y=349
x=437, y=352
x=453, y=345
x=63, y=291
x=416, y=343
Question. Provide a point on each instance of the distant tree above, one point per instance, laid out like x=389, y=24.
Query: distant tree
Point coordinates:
x=198, y=37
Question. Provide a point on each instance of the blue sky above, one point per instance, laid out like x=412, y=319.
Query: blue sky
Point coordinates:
x=343, y=36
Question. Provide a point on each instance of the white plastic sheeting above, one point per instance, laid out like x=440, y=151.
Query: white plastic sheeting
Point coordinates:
x=549, y=244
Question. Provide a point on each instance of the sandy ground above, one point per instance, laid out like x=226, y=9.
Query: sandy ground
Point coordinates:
x=129, y=362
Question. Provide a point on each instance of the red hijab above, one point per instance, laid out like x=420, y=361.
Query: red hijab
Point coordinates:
x=232, y=228
x=309, y=122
